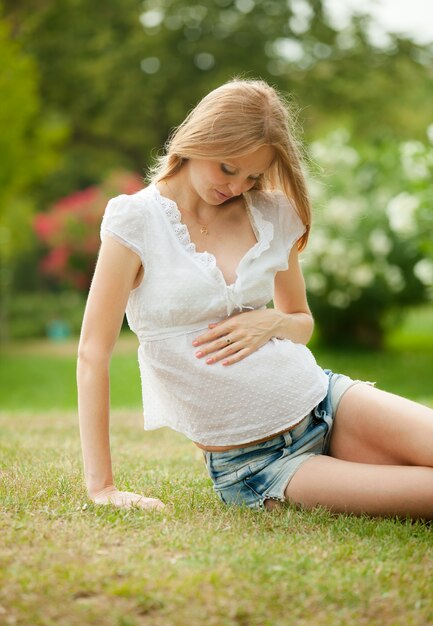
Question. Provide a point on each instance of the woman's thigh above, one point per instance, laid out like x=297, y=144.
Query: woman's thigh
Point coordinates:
x=360, y=488
x=374, y=426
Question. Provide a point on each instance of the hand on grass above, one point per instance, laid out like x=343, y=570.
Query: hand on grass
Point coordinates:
x=126, y=499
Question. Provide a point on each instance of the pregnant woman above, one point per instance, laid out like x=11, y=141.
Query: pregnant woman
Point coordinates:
x=194, y=258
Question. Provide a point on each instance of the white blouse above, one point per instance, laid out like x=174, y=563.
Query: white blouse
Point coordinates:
x=181, y=293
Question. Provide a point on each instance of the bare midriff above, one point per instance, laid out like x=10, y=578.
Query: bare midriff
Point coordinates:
x=249, y=443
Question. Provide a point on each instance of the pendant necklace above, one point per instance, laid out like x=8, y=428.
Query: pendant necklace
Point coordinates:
x=204, y=228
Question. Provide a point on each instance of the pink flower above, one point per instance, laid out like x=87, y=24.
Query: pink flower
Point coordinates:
x=45, y=226
x=76, y=200
x=70, y=229
x=55, y=261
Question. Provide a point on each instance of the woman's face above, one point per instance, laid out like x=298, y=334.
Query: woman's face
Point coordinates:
x=218, y=181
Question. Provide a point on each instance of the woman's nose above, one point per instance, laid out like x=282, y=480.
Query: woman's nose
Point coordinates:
x=239, y=186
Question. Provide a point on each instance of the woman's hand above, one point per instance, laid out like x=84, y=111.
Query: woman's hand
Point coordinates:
x=238, y=336
x=126, y=499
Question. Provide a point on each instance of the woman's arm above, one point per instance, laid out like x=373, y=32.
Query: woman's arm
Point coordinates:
x=290, y=319
x=118, y=270
x=290, y=302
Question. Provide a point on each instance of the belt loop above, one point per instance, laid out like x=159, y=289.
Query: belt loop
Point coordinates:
x=287, y=438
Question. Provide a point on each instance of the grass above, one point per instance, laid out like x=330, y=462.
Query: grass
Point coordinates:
x=66, y=562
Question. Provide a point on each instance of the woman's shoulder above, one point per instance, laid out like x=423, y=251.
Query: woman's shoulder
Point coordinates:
x=270, y=201
x=136, y=207
x=126, y=218
x=141, y=200
x=276, y=207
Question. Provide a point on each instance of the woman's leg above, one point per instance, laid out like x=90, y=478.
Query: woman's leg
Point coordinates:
x=346, y=487
x=381, y=459
x=374, y=426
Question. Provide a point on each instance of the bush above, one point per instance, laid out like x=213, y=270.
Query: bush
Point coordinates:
x=70, y=230
x=34, y=315
x=370, y=250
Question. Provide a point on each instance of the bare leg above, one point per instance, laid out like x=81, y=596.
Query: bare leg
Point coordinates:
x=374, y=426
x=346, y=487
x=381, y=459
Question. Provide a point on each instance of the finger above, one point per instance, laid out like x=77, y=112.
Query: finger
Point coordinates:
x=126, y=499
x=223, y=353
x=130, y=503
x=142, y=501
x=219, y=331
x=221, y=344
x=237, y=356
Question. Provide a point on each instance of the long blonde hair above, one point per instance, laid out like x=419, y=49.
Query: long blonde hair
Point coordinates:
x=236, y=119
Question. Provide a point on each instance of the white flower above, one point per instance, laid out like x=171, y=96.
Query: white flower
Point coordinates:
x=423, y=270
x=344, y=212
x=338, y=299
x=151, y=19
x=334, y=150
x=330, y=265
x=318, y=242
x=362, y=276
x=316, y=283
x=354, y=253
x=415, y=160
x=401, y=213
x=337, y=248
x=394, y=277
x=380, y=243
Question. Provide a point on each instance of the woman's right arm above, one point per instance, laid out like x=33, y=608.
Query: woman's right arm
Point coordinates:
x=117, y=271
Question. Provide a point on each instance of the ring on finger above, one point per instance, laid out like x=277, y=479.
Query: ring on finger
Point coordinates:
x=228, y=340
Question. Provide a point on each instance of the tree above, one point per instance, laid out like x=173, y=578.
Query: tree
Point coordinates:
x=367, y=256
x=27, y=152
x=121, y=74
x=124, y=73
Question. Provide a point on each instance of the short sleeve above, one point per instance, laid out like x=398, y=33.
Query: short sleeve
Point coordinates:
x=291, y=226
x=124, y=220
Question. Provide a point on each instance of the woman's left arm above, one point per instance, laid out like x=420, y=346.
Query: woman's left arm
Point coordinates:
x=238, y=336
x=290, y=301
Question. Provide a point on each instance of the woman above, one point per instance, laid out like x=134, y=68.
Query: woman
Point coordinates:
x=194, y=258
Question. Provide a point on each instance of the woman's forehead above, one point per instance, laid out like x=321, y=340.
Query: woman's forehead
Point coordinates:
x=259, y=160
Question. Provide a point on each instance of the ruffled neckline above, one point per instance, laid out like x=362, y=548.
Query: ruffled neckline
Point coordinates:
x=263, y=230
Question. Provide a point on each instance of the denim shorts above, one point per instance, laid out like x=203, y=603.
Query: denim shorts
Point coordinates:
x=252, y=474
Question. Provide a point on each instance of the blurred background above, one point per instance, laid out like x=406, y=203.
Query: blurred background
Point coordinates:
x=90, y=91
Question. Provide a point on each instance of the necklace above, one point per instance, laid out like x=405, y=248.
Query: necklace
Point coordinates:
x=204, y=228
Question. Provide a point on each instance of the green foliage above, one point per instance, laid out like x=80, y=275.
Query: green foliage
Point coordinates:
x=121, y=74
x=70, y=229
x=124, y=73
x=27, y=152
x=32, y=314
x=369, y=249
x=27, y=143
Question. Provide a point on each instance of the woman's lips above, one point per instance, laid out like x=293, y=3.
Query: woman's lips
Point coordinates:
x=222, y=196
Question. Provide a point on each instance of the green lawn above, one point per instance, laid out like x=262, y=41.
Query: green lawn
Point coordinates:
x=67, y=562
x=36, y=382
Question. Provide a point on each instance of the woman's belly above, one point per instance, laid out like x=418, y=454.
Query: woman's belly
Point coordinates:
x=214, y=405
x=247, y=443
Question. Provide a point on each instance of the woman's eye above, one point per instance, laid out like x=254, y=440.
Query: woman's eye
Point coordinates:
x=225, y=169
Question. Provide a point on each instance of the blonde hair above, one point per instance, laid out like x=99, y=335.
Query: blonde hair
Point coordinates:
x=236, y=119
